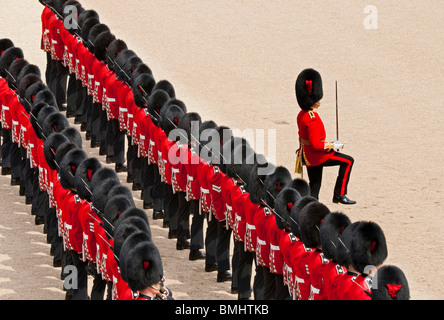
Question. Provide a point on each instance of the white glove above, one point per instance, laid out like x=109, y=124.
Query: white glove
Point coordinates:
x=338, y=145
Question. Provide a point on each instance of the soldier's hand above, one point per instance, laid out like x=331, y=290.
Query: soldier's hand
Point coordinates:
x=338, y=145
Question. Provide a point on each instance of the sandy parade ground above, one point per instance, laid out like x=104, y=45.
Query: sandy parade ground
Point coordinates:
x=235, y=62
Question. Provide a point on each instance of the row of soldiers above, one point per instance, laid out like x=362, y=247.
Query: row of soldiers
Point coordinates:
x=204, y=182
x=266, y=213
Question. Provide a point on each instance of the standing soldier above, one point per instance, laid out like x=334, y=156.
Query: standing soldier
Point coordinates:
x=314, y=152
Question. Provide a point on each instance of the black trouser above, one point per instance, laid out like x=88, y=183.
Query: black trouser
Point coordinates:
x=170, y=205
x=81, y=292
x=115, y=141
x=135, y=163
x=211, y=240
x=71, y=95
x=158, y=190
x=183, y=222
x=61, y=83
x=258, y=282
x=6, y=148
x=15, y=160
x=26, y=174
x=269, y=284
x=79, y=99
x=244, y=270
x=143, y=173
x=345, y=164
x=223, y=246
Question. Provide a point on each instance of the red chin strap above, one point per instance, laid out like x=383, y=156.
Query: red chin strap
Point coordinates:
x=278, y=186
x=372, y=246
x=146, y=264
x=73, y=168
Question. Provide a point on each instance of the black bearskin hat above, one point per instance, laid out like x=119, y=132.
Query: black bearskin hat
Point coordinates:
x=390, y=283
x=155, y=102
x=42, y=115
x=100, y=194
x=35, y=110
x=113, y=209
x=256, y=182
x=50, y=147
x=295, y=214
x=85, y=15
x=300, y=185
x=129, y=67
x=284, y=203
x=171, y=119
x=55, y=122
x=343, y=248
x=47, y=96
x=310, y=220
x=66, y=13
x=101, y=175
x=308, y=88
x=368, y=246
x=124, y=228
x=120, y=61
x=6, y=59
x=95, y=30
x=101, y=44
x=120, y=189
x=274, y=183
x=331, y=229
x=166, y=86
x=86, y=28
x=141, y=69
x=14, y=70
x=26, y=82
x=140, y=262
x=5, y=44
x=68, y=167
x=25, y=72
x=84, y=175
x=187, y=123
x=28, y=100
x=113, y=51
x=73, y=135
x=142, y=88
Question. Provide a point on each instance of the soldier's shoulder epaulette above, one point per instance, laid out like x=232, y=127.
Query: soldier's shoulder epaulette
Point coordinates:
x=311, y=114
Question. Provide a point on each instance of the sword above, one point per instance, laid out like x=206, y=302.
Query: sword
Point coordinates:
x=337, y=117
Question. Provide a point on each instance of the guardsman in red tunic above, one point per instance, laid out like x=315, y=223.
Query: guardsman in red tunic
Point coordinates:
x=72, y=205
x=314, y=151
x=331, y=229
x=279, y=240
x=310, y=220
x=265, y=221
x=368, y=251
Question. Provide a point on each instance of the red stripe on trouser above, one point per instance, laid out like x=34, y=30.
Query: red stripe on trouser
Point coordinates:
x=347, y=171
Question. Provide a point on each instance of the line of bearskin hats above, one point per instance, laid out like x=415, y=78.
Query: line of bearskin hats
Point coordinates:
x=171, y=118
x=308, y=88
x=114, y=207
x=55, y=122
x=122, y=59
x=141, y=69
x=50, y=147
x=86, y=27
x=390, y=283
x=167, y=86
x=129, y=67
x=42, y=115
x=30, y=93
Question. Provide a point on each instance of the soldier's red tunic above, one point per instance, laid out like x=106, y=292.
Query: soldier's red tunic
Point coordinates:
x=312, y=138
